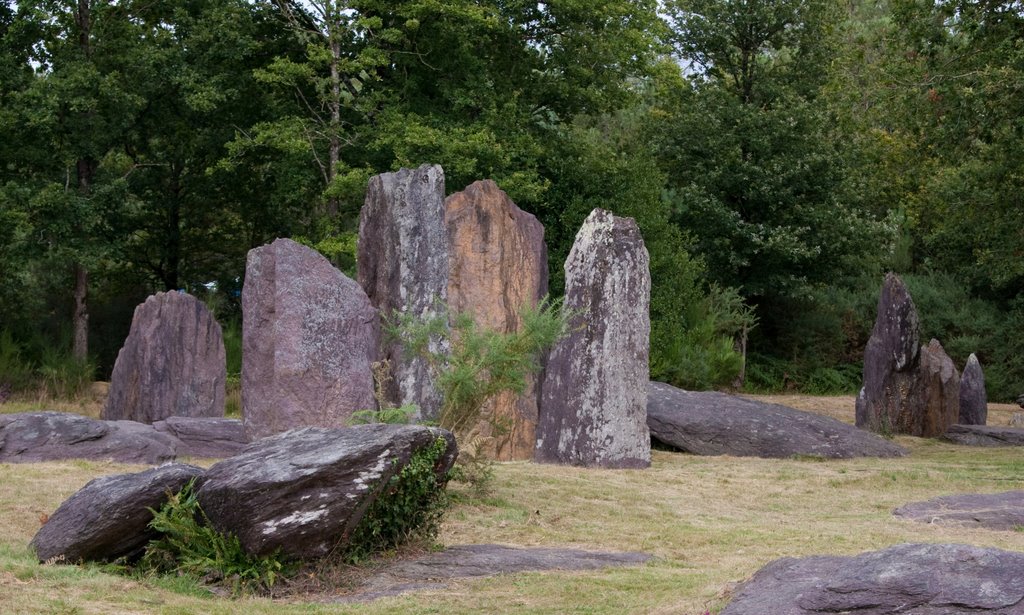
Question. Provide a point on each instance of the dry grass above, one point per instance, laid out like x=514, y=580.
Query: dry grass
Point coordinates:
x=710, y=521
x=90, y=403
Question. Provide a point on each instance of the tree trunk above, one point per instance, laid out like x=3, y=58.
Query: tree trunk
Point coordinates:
x=85, y=169
x=334, y=155
x=80, y=320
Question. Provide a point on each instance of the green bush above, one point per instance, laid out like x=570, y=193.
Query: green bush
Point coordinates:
x=16, y=373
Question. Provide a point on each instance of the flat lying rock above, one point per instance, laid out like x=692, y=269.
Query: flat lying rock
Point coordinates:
x=985, y=435
x=306, y=490
x=205, y=437
x=709, y=423
x=467, y=561
x=993, y=511
x=108, y=518
x=912, y=579
x=52, y=436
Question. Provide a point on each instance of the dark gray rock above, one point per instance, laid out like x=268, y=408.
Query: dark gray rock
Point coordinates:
x=205, y=437
x=310, y=337
x=594, y=396
x=403, y=266
x=909, y=579
x=935, y=394
x=709, y=423
x=468, y=561
x=306, y=490
x=171, y=364
x=985, y=435
x=973, y=399
x=50, y=436
x=108, y=517
x=993, y=511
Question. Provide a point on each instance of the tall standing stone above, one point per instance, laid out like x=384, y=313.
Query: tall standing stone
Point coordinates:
x=171, y=364
x=973, y=400
x=594, y=396
x=309, y=337
x=499, y=264
x=403, y=266
x=936, y=394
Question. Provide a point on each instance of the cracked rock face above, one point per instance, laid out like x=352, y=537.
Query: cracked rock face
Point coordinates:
x=594, y=396
x=171, y=364
x=973, y=399
x=403, y=267
x=50, y=436
x=309, y=337
x=499, y=264
x=306, y=490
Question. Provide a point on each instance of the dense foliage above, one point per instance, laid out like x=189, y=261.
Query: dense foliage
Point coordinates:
x=778, y=155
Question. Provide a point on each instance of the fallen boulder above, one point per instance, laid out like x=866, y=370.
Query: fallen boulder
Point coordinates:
x=985, y=435
x=305, y=491
x=993, y=511
x=916, y=579
x=108, y=518
x=709, y=423
x=52, y=436
x=205, y=437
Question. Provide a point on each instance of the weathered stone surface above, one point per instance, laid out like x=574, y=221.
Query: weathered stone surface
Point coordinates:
x=993, y=511
x=935, y=394
x=594, y=396
x=171, y=364
x=304, y=491
x=468, y=561
x=403, y=266
x=1017, y=419
x=205, y=437
x=890, y=361
x=310, y=337
x=499, y=264
x=973, y=399
x=985, y=435
x=709, y=423
x=910, y=579
x=108, y=517
x=51, y=436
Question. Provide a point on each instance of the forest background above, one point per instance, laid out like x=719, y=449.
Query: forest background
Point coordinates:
x=779, y=157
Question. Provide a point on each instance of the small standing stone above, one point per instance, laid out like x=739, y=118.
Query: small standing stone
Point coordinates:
x=936, y=394
x=403, y=267
x=594, y=396
x=499, y=265
x=309, y=337
x=171, y=364
x=973, y=400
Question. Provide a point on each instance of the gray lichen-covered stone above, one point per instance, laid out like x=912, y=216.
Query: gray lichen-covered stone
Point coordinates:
x=594, y=396
x=935, y=394
x=911, y=579
x=499, y=265
x=51, y=436
x=709, y=423
x=973, y=399
x=171, y=364
x=306, y=490
x=205, y=437
x=403, y=266
x=108, y=518
x=993, y=511
x=985, y=435
x=309, y=336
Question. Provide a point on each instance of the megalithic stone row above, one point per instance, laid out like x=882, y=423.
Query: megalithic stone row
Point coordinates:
x=403, y=267
x=594, y=396
x=973, y=399
x=309, y=336
x=171, y=364
x=498, y=262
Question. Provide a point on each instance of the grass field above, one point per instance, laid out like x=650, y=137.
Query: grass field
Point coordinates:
x=710, y=521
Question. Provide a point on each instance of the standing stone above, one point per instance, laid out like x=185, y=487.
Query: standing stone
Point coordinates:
x=499, y=265
x=594, y=396
x=935, y=396
x=172, y=363
x=973, y=400
x=403, y=266
x=309, y=337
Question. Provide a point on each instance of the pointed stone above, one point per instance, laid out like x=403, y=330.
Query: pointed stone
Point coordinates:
x=594, y=395
x=403, y=267
x=309, y=338
x=499, y=264
x=935, y=396
x=171, y=364
x=973, y=400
